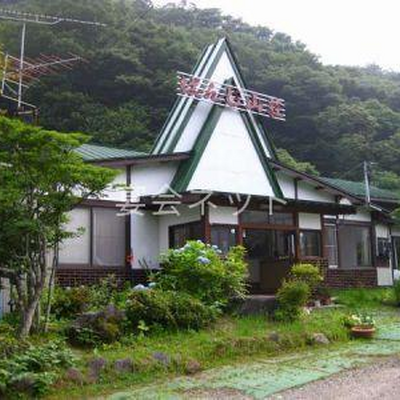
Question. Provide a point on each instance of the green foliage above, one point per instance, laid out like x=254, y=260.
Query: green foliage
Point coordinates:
x=39, y=176
x=162, y=309
x=70, y=302
x=34, y=370
x=359, y=320
x=200, y=270
x=285, y=158
x=307, y=273
x=358, y=299
x=92, y=329
x=396, y=291
x=337, y=116
x=292, y=297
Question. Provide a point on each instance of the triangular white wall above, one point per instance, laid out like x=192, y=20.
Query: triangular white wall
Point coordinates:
x=230, y=163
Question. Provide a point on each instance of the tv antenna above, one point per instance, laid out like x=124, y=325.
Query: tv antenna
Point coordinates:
x=20, y=73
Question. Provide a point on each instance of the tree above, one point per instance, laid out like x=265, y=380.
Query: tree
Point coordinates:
x=285, y=158
x=41, y=179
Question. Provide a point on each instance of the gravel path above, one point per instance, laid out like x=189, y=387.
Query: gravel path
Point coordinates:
x=380, y=380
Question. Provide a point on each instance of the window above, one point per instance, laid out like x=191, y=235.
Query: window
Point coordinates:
x=108, y=238
x=224, y=237
x=180, y=234
x=271, y=245
x=355, y=246
x=331, y=248
x=310, y=243
x=263, y=217
x=76, y=250
x=102, y=242
x=383, y=253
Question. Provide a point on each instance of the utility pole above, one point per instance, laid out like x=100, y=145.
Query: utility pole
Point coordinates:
x=367, y=183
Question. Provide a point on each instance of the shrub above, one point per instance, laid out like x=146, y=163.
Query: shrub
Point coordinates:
x=70, y=302
x=167, y=310
x=396, y=290
x=201, y=271
x=307, y=273
x=33, y=370
x=292, y=297
x=94, y=328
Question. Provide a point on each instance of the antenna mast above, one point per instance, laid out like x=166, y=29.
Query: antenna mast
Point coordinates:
x=18, y=73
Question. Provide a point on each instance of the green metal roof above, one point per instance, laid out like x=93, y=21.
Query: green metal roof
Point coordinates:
x=93, y=152
x=358, y=189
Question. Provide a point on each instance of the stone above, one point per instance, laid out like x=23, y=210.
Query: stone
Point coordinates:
x=75, y=376
x=192, y=367
x=25, y=384
x=124, y=365
x=274, y=337
x=96, y=366
x=162, y=358
x=320, y=338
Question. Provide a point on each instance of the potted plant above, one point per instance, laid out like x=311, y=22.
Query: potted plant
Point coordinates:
x=361, y=325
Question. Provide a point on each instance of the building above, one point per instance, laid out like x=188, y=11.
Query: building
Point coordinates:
x=213, y=175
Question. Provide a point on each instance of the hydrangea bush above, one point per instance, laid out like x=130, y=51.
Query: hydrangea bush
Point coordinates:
x=202, y=271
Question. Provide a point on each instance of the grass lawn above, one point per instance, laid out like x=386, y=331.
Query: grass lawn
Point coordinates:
x=163, y=355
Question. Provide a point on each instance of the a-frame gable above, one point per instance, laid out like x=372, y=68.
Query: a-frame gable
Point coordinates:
x=180, y=132
x=227, y=157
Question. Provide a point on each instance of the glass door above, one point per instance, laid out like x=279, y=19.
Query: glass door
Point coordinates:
x=270, y=255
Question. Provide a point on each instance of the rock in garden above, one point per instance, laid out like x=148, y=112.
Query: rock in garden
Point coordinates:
x=192, y=366
x=162, y=358
x=320, y=338
x=96, y=366
x=75, y=376
x=274, y=337
x=123, y=365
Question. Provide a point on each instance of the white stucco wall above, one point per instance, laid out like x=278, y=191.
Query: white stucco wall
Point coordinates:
x=306, y=191
x=152, y=179
x=287, y=185
x=385, y=276
x=382, y=231
x=361, y=215
x=116, y=190
x=310, y=221
x=230, y=162
x=223, y=215
x=145, y=239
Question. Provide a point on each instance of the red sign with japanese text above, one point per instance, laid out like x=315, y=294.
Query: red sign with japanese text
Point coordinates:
x=230, y=96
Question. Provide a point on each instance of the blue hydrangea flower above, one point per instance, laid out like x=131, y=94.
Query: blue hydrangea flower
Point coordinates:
x=203, y=260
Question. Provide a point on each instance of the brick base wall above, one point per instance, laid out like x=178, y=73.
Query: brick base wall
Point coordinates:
x=90, y=276
x=347, y=278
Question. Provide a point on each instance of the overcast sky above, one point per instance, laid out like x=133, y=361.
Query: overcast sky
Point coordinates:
x=350, y=32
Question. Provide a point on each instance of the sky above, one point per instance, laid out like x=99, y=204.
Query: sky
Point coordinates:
x=346, y=32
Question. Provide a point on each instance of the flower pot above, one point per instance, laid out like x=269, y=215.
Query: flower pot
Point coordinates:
x=366, y=332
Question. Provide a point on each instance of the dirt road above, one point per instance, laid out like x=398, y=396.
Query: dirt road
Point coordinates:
x=381, y=380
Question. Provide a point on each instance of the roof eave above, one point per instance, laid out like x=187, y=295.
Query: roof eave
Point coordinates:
x=136, y=160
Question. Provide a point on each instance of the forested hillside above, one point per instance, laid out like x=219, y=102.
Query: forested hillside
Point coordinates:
x=336, y=116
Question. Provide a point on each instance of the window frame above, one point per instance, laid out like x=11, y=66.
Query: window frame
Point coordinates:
x=90, y=230
x=227, y=226
x=320, y=239
x=171, y=229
